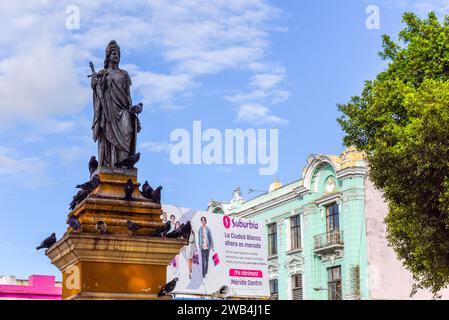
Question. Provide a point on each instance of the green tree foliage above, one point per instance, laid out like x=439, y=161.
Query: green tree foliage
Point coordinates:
x=401, y=121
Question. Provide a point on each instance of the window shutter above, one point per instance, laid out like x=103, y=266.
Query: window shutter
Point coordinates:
x=297, y=293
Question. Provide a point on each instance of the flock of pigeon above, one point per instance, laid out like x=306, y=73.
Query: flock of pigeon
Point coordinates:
x=147, y=192
x=87, y=187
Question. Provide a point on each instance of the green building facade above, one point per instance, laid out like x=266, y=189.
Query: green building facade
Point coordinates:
x=325, y=232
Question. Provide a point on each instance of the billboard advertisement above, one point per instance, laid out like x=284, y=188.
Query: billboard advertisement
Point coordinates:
x=221, y=252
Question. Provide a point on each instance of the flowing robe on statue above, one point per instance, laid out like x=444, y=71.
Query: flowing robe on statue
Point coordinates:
x=114, y=125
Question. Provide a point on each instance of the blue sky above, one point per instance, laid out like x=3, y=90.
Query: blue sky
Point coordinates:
x=230, y=64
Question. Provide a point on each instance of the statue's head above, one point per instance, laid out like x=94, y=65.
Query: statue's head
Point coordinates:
x=112, y=53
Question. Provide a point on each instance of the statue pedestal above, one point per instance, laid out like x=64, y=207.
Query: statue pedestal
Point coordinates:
x=115, y=264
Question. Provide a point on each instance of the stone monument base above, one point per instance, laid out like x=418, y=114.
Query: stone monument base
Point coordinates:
x=117, y=264
x=98, y=266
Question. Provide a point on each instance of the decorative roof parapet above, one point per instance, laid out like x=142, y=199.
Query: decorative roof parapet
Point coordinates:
x=351, y=162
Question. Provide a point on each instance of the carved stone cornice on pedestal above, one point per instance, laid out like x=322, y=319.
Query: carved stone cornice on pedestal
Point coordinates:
x=74, y=247
x=115, y=296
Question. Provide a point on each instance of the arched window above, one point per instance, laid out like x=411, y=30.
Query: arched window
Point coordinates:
x=218, y=210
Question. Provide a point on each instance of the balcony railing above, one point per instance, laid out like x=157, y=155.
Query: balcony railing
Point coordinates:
x=328, y=239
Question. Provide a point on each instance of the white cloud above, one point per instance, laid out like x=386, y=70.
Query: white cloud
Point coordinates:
x=33, y=139
x=440, y=7
x=265, y=91
x=58, y=126
x=269, y=96
x=258, y=115
x=245, y=97
x=156, y=147
x=160, y=89
x=29, y=171
x=71, y=154
x=40, y=83
x=42, y=64
x=266, y=81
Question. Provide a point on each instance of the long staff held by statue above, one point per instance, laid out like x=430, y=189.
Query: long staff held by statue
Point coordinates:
x=94, y=74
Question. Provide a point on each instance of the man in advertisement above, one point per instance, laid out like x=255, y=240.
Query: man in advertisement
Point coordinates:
x=206, y=244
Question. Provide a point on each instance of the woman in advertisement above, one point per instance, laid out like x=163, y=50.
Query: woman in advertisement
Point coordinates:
x=191, y=253
x=206, y=244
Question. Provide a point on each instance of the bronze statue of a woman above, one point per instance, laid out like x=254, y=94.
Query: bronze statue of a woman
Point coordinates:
x=115, y=124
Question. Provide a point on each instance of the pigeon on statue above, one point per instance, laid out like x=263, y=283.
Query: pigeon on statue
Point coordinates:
x=186, y=229
x=129, y=189
x=182, y=232
x=129, y=162
x=156, y=195
x=74, y=224
x=101, y=227
x=137, y=108
x=161, y=232
x=78, y=198
x=86, y=189
x=168, y=288
x=132, y=226
x=91, y=184
x=166, y=230
x=93, y=164
x=48, y=242
x=147, y=190
x=177, y=233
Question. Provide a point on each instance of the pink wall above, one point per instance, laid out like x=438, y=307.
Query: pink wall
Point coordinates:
x=387, y=278
x=39, y=287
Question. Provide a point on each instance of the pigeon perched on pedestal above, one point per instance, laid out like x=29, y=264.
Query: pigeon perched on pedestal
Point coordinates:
x=86, y=189
x=132, y=226
x=101, y=227
x=174, y=234
x=93, y=164
x=147, y=190
x=156, y=195
x=129, y=189
x=161, y=232
x=168, y=288
x=48, y=242
x=182, y=232
x=74, y=224
x=129, y=162
x=224, y=290
x=91, y=184
x=186, y=229
x=77, y=198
